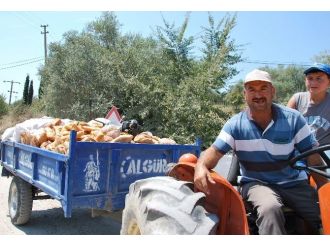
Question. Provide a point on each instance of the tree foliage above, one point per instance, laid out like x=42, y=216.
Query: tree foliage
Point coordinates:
x=235, y=97
x=175, y=50
x=3, y=105
x=26, y=90
x=323, y=57
x=220, y=51
x=105, y=30
x=30, y=93
x=287, y=81
x=155, y=79
x=41, y=88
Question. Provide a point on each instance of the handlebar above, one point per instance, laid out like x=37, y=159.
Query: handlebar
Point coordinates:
x=317, y=169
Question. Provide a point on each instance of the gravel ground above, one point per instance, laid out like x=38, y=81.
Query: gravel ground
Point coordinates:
x=48, y=219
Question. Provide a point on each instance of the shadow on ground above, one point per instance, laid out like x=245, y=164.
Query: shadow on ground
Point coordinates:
x=52, y=222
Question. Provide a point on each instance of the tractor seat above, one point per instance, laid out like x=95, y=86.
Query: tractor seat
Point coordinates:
x=228, y=168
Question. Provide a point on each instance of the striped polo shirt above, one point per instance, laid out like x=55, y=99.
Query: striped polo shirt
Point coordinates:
x=264, y=154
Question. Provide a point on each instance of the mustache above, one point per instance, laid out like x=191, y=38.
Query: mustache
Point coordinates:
x=258, y=99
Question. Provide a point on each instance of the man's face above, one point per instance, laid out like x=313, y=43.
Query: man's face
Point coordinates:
x=259, y=95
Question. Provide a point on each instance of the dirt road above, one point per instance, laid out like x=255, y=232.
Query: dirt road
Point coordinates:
x=48, y=219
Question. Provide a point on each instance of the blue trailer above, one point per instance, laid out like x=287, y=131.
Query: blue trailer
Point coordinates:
x=93, y=175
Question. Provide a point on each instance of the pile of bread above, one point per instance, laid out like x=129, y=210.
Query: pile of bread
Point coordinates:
x=55, y=135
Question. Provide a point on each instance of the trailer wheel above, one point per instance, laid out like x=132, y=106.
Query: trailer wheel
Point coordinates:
x=163, y=205
x=20, y=201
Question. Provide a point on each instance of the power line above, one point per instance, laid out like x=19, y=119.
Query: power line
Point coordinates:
x=24, y=19
x=21, y=61
x=276, y=63
x=33, y=20
x=36, y=18
x=18, y=65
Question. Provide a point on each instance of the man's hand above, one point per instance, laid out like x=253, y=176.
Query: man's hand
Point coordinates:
x=207, y=161
x=201, y=179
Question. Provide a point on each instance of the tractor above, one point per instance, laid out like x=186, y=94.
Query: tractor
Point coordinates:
x=171, y=205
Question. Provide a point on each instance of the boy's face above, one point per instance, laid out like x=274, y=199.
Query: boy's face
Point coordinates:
x=317, y=82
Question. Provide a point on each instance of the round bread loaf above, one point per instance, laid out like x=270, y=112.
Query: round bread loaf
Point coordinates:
x=123, y=138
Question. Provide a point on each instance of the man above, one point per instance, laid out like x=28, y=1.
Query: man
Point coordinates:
x=264, y=137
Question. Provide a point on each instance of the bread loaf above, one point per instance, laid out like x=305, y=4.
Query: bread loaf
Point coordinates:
x=56, y=135
x=144, y=138
x=166, y=141
x=123, y=138
x=26, y=138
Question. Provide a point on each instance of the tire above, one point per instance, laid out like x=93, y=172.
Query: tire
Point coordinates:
x=20, y=201
x=163, y=205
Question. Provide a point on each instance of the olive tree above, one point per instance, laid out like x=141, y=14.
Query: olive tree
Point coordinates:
x=155, y=79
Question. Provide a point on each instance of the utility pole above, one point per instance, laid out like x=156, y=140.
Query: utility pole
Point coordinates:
x=11, y=89
x=45, y=39
x=14, y=92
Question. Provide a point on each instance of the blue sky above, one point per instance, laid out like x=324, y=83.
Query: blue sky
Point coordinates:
x=266, y=36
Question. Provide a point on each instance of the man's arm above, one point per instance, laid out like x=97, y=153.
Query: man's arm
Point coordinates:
x=207, y=161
